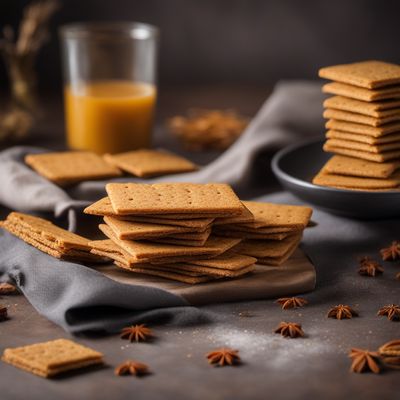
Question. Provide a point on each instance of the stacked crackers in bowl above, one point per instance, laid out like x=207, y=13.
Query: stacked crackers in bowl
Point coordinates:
x=193, y=233
x=363, y=126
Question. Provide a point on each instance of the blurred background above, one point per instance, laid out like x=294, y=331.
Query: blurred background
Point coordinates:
x=249, y=42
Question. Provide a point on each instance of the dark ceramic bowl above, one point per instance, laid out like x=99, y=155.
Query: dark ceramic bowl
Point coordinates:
x=296, y=165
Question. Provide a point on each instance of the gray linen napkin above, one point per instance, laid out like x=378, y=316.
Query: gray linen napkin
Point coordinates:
x=80, y=299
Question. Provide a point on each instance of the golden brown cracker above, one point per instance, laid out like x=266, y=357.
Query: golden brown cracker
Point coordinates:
x=145, y=163
x=363, y=129
x=369, y=74
x=246, y=235
x=356, y=137
x=52, y=358
x=169, y=198
x=370, y=148
x=342, y=165
x=377, y=109
x=362, y=94
x=340, y=115
x=246, y=216
x=71, y=166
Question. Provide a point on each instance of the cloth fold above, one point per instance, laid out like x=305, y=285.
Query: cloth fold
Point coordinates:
x=81, y=299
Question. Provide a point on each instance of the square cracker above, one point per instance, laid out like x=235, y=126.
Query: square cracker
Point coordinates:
x=70, y=167
x=139, y=230
x=265, y=248
x=324, y=178
x=377, y=109
x=383, y=157
x=358, y=93
x=52, y=358
x=342, y=165
x=169, y=198
x=370, y=74
x=273, y=215
x=340, y=115
x=146, y=250
x=356, y=137
x=363, y=129
x=370, y=148
x=146, y=163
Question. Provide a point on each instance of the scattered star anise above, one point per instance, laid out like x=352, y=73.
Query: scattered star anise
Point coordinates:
x=137, y=333
x=392, y=311
x=223, y=356
x=391, y=253
x=391, y=362
x=3, y=313
x=398, y=276
x=390, y=354
x=364, y=361
x=342, y=312
x=132, y=368
x=291, y=302
x=7, y=288
x=369, y=267
x=290, y=329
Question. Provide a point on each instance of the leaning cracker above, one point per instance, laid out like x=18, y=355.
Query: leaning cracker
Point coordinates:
x=169, y=198
x=384, y=157
x=377, y=109
x=52, y=358
x=342, y=165
x=370, y=148
x=70, y=167
x=358, y=93
x=246, y=216
x=146, y=163
x=356, y=137
x=324, y=178
x=339, y=115
x=363, y=129
x=370, y=74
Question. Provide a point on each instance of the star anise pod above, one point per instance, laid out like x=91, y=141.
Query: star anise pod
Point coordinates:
x=290, y=329
x=131, y=367
x=398, y=276
x=369, y=267
x=392, y=311
x=137, y=333
x=291, y=302
x=391, y=253
x=364, y=361
x=3, y=313
x=391, y=348
x=223, y=356
x=342, y=312
x=7, y=288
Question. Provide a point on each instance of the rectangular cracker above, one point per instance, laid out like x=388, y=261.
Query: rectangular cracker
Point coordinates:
x=268, y=248
x=340, y=115
x=377, y=109
x=324, y=178
x=169, y=198
x=260, y=231
x=143, y=250
x=231, y=260
x=371, y=148
x=139, y=230
x=246, y=216
x=342, y=165
x=246, y=235
x=52, y=358
x=145, y=163
x=383, y=157
x=369, y=74
x=179, y=242
x=363, y=129
x=358, y=93
x=356, y=137
x=64, y=168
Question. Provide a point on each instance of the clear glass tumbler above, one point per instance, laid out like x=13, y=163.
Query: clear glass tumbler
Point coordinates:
x=109, y=85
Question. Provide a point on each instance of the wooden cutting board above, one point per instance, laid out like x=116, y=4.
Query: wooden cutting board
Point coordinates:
x=295, y=276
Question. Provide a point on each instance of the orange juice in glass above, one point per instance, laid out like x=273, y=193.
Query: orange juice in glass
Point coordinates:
x=110, y=90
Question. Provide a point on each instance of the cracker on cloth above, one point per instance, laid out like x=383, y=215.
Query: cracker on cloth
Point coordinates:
x=64, y=168
x=52, y=358
x=145, y=163
x=369, y=74
x=170, y=198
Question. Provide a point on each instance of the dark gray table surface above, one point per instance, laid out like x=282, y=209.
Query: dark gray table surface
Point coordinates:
x=273, y=367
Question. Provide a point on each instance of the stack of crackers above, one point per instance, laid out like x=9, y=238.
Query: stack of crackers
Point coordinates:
x=193, y=233
x=363, y=126
x=50, y=238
